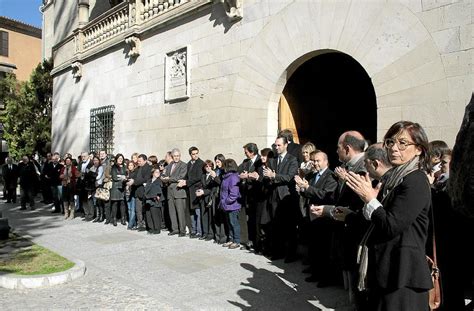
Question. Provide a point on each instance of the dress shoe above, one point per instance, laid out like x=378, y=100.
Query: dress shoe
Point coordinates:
x=181, y=235
x=8, y=201
x=107, y=222
x=141, y=228
x=208, y=238
x=156, y=231
x=311, y=279
x=123, y=222
x=22, y=208
x=114, y=222
x=193, y=236
x=173, y=233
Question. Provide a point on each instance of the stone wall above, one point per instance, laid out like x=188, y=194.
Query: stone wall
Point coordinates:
x=418, y=54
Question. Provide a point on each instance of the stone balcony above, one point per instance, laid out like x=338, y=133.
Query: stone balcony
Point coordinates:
x=124, y=23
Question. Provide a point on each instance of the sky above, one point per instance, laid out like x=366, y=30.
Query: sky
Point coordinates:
x=26, y=11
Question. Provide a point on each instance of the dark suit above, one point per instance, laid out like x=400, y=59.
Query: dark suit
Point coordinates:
x=295, y=150
x=52, y=172
x=249, y=196
x=285, y=207
x=28, y=180
x=10, y=179
x=397, y=262
x=153, y=205
x=177, y=196
x=320, y=230
x=143, y=175
x=349, y=234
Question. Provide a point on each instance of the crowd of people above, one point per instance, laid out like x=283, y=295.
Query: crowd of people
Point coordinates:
x=364, y=225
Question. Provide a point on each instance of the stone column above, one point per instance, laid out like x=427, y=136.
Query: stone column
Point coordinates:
x=83, y=12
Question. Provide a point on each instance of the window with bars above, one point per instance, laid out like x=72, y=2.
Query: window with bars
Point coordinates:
x=4, y=43
x=102, y=129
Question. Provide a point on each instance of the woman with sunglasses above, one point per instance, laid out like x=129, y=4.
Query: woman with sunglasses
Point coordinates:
x=394, y=266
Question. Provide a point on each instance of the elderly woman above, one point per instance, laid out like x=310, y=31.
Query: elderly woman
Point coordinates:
x=397, y=272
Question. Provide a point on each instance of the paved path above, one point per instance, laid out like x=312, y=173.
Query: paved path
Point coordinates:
x=135, y=271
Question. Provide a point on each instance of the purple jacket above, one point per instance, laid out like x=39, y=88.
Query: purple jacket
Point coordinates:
x=230, y=192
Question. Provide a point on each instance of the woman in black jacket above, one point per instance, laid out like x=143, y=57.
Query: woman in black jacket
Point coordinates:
x=394, y=267
x=118, y=173
x=153, y=202
x=207, y=199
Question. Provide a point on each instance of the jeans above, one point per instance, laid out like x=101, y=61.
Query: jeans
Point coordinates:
x=196, y=219
x=57, y=197
x=131, y=212
x=234, y=226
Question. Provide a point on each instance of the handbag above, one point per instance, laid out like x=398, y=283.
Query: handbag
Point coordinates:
x=435, y=292
x=102, y=194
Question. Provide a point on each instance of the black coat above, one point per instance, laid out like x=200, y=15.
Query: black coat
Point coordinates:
x=143, y=175
x=152, y=190
x=193, y=181
x=52, y=172
x=249, y=188
x=118, y=186
x=28, y=177
x=397, y=244
x=10, y=176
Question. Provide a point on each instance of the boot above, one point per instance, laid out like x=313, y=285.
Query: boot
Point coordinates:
x=101, y=214
x=123, y=215
x=97, y=213
x=66, y=212
x=71, y=213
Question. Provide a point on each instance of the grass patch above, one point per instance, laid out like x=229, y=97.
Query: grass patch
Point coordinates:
x=35, y=260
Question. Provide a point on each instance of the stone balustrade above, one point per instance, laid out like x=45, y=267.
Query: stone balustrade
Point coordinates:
x=153, y=8
x=124, y=23
x=107, y=26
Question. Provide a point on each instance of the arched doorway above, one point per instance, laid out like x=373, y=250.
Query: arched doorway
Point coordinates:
x=326, y=95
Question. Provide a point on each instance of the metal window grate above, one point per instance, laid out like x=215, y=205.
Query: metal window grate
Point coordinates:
x=102, y=129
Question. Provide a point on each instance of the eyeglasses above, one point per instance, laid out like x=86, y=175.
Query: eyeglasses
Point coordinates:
x=401, y=144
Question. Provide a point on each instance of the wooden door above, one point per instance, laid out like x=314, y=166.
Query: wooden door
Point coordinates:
x=286, y=119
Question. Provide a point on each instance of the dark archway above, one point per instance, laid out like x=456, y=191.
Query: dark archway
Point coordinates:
x=327, y=95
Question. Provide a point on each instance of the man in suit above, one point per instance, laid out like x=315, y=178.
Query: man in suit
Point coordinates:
x=348, y=210
x=318, y=190
x=282, y=171
x=10, y=180
x=143, y=175
x=45, y=185
x=28, y=179
x=249, y=228
x=176, y=172
x=82, y=168
x=293, y=148
x=52, y=172
x=193, y=182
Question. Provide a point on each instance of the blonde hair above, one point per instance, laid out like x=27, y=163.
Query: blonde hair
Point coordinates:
x=308, y=147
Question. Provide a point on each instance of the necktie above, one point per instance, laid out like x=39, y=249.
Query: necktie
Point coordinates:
x=172, y=168
x=10, y=167
x=280, y=158
x=317, y=178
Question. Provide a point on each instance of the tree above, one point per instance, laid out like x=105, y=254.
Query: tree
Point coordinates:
x=27, y=118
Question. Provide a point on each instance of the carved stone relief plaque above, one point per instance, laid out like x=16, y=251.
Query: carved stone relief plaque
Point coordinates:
x=177, y=75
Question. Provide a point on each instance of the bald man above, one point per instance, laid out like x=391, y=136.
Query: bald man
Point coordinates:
x=348, y=210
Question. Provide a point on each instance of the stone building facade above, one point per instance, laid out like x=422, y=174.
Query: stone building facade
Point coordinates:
x=150, y=75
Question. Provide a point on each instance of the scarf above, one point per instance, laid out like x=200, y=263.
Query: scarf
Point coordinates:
x=395, y=178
